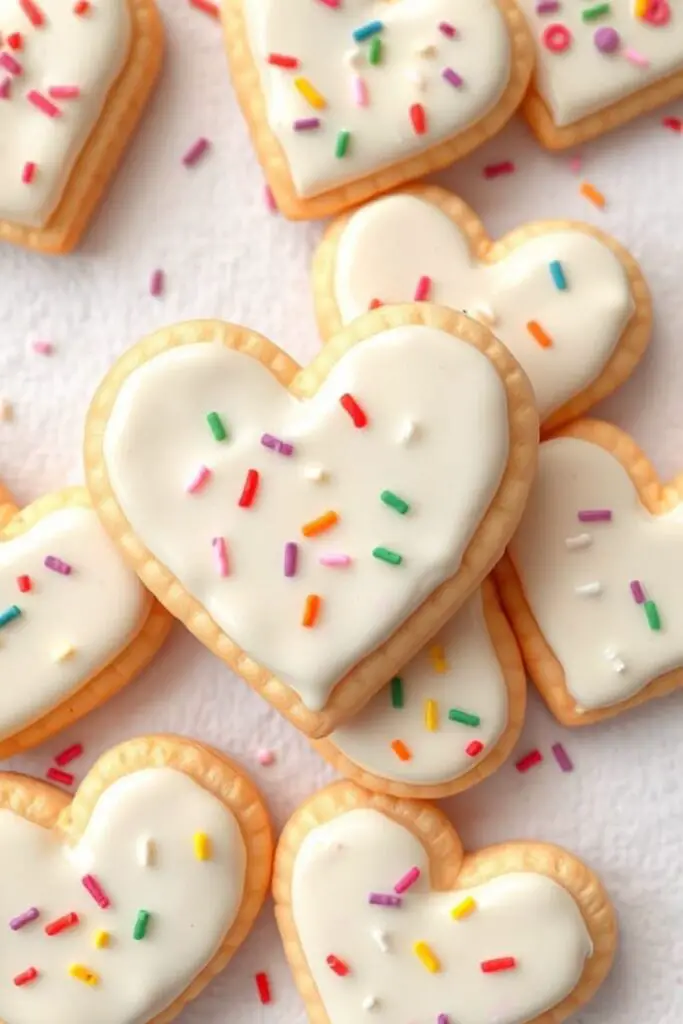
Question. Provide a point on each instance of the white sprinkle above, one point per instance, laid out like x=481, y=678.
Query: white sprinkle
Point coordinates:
x=380, y=938
x=316, y=473
x=63, y=652
x=617, y=664
x=426, y=50
x=417, y=78
x=484, y=314
x=589, y=589
x=408, y=431
x=354, y=58
x=370, y=1003
x=265, y=757
x=582, y=540
x=146, y=851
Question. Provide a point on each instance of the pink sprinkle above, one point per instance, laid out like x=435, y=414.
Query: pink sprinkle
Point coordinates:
x=220, y=549
x=333, y=559
x=637, y=58
x=55, y=775
x=496, y=170
x=8, y=62
x=42, y=348
x=196, y=151
x=595, y=515
x=43, y=103
x=265, y=757
x=96, y=891
x=28, y=173
x=156, y=283
x=447, y=29
x=271, y=205
x=198, y=481
x=423, y=288
x=64, y=92
x=562, y=758
x=575, y=164
x=637, y=591
x=410, y=878
x=547, y=7
x=5, y=88
x=70, y=754
x=331, y=3
x=360, y=91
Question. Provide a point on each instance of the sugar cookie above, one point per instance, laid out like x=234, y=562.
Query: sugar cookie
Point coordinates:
x=314, y=527
x=380, y=909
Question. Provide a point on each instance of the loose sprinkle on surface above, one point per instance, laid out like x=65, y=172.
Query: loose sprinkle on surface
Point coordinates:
x=156, y=283
x=335, y=560
x=216, y=426
x=342, y=144
x=497, y=170
x=652, y=614
x=281, y=60
x=380, y=938
x=371, y=28
x=637, y=591
x=196, y=152
x=583, y=540
x=42, y=103
x=43, y=348
x=562, y=757
x=199, y=480
x=424, y=287
x=57, y=565
x=263, y=987
x=145, y=851
x=265, y=757
x=591, y=193
x=381, y=899
x=401, y=750
x=55, y=775
x=418, y=118
x=207, y=7
x=291, y=558
x=529, y=760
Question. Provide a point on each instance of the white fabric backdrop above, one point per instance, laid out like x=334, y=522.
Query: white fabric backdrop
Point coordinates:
x=226, y=256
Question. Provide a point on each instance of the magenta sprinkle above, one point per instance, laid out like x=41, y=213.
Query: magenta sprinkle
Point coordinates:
x=196, y=151
x=5, y=88
x=595, y=515
x=42, y=348
x=64, y=92
x=156, y=283
x=57, y=565
x=42, y=103
x=442, y=1019
x=410, y=878
x=29, y=915
x=271, y=204
x=380, y=899
x=96, y=891
x=291, y=558
x=8, y=62
x=276, y=445
x=447, y=29
x=547, y=7
x=637, y=591
x=452, y=76
x=562, y=758
x=306, y=124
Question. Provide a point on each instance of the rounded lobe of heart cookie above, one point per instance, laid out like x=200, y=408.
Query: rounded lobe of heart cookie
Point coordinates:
x=584, y=316
x=609, y=610
x=54, y=89
x=365, y=70
x=588, y=76
x=360, y=890
x=311, y=530
x=461, y=671
x=171, y=898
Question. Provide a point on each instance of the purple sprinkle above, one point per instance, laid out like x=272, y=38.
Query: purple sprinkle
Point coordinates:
x=268, y=441
x=595, y=515
x=306, y=124
x=637, y=591
x=447, y=29
x=442, y=1019
x=562, y=758
x=195, y=152
x=29, y=915
x=291, y=556
x=381, y=899
x=57, y=565
x=547, y=7
x=156, y=283
x=285, y=449
x=276, y=445
x=452, y=76
x=607, y=39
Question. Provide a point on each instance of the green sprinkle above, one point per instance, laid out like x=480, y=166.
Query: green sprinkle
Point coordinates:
x=558, y=276
x=397, y=692
x=596, y=11
x=342, y=143
x=385, y=555
x=393, y=500
x=216, y=424
x=653, y=619
x=464, y=717
x=375, y=54
x=140, y=929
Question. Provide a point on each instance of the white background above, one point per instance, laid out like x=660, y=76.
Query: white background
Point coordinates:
x=226, y=256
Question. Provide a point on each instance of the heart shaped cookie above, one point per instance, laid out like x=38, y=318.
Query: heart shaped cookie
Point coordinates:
x=603, y=631
x=314, y=527
x=346, y=100
x=124, y=904
x=594, y=73
x=568, y=301
x=449, y=719
x=381, y=911
x=76, y=625
x=74, y=80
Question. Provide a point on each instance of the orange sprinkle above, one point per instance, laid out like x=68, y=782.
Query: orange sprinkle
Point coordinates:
x=401, y=750
x=537, y=332
x=319, y=525
x=591, y=192
x=311, y=610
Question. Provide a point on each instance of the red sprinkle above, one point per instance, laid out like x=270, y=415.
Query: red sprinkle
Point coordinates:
x=674, y=123
x=54, y=775
x=418, y=118
x=474, y=748
x=495, y=170
x=23, y=979
x=28, y=173
x=82, y=7
x=529, y=760
x=281, y=61
x=504, y=963
x=207, y=7
x=70, y=754
x=24, y=584
x=351, y=406
x=263, y=986
x=61, y=924
x=32, y=12
x=375, y=304
x=338, y=966
x=15, y=40
x=249, y=490
x=424, y=286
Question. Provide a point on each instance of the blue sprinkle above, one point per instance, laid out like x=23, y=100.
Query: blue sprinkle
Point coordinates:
x=9, y=615
x=367, y=30
x=558, y=275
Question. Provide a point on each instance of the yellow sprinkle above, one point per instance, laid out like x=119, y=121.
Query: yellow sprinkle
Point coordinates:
x=438, y=655
x=431, y=715
x=64, y=652
x=641, y=8
x=83, y=974
x=310, y=93
x=100, y=939
x=464, y=909
x=426, y=957
x=202, y=846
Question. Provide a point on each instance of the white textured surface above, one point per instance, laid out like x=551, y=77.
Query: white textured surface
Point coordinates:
x=224, y=255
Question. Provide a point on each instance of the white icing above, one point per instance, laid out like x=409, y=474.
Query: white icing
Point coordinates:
x=157, y=438
x=602, y=641
x=321, y=37
x=582, y=80
x=389, y=244
x=524, y=915
x=87, y=51
x=191, y=903
x=473, y=681
x=96, y=610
